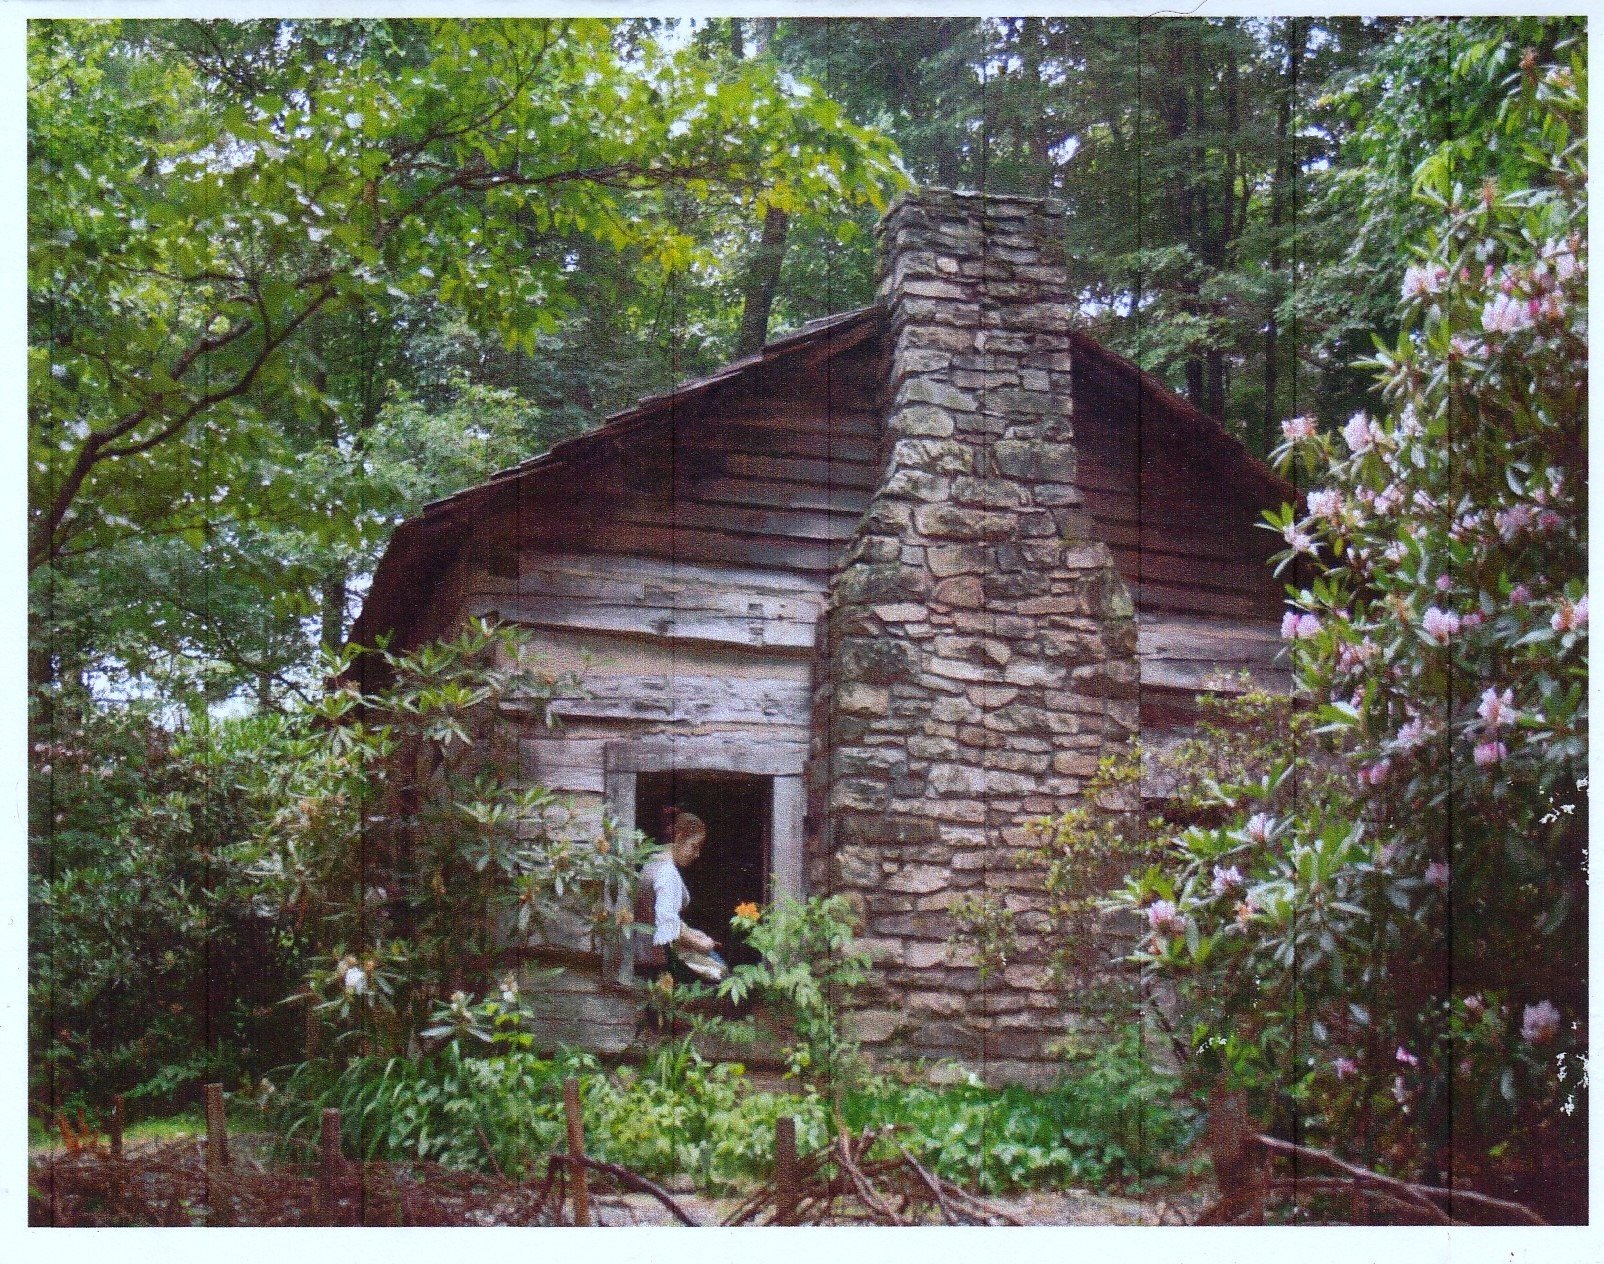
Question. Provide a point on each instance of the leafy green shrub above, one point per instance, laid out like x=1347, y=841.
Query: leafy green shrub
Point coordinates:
x=677, y=1114
x=810, y=965
x=151, y=970
x=1111, y=1118
x=404, y=845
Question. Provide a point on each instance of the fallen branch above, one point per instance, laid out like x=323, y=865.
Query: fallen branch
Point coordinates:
x=1414, y=1193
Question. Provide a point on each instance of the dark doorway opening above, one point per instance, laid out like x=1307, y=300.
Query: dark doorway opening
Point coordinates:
x=734, y=865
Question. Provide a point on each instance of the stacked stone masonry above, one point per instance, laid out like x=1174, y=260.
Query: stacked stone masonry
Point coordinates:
x=978, y=654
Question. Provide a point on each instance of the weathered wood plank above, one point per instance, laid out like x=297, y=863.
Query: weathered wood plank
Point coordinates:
x=570, y=765
x=1201, y=677
x=667, y=593
x=838, y=472
x=789, y=524
x=685, y=543
x=690, y=700
x=1183, y=639
x=733, y=753
x=672, y=573
x=778, y=495
x=657, y=623
x=725, y=437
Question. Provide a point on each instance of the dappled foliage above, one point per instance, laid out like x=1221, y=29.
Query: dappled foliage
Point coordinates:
x=406, y=852
x=1407, y=960
x=151, y=968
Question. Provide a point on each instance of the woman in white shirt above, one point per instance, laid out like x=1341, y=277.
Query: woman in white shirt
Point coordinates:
x=664, y=886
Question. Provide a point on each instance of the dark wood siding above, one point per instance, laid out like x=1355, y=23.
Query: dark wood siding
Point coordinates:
x=774, y=473
x=1183, y=532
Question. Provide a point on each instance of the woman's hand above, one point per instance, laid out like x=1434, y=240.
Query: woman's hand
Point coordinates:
x=696, y=941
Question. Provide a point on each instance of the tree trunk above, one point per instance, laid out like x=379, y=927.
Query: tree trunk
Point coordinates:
x=1297, y=35
x=761, y=282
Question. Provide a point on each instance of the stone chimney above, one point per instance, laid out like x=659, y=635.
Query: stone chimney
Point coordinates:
x=978, y=656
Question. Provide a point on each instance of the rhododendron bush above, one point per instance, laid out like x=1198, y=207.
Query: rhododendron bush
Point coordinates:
x=1403, y=970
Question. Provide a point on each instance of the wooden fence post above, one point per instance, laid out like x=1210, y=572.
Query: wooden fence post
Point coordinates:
x=116, y=1129
x=329, y=1158
x=576, y=1151
x=216, y=1156
x=785, y=1175
x=216, y=1129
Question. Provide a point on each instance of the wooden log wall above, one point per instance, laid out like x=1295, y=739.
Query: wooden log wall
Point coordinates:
x=1184, y=537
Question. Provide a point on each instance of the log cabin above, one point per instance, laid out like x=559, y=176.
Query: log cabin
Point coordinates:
x=869, y=601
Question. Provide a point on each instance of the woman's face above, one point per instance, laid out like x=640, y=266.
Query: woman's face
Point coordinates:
x=687, y=847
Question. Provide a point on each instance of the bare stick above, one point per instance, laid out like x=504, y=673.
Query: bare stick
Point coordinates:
x=576, y=1151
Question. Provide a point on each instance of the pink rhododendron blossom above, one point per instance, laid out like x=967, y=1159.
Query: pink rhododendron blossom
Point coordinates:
x=1540, y=1023
x=1444, y=583
x=1325, y=502
x=1487, y=754
x=1227, y=879
x=1512, y=521
x=1358, y=434
x=1297, y=429
x=1464, y=345
x=1165, y=918
x=1404, y=1056
x=1400, y=1093
x=1570, y=616
x=1437, y=875
x=1395, y=552
x=1519, y=595
x=1423, y=279
x=1299, y=541
x=1471, y=620
x=1344, y=1067
x=1559, y=256
x=1505, y=315
x=1374, y=774
x=1258, y=827
x=1440, y=625
x=1412, y=734
x=1548, y=520
x=1299, y=627
x=1474, y=1005
x=1497, y=709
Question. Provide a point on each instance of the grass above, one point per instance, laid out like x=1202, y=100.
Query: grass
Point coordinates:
x=242, y=1118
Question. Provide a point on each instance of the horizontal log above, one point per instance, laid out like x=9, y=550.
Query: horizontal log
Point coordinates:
x=836, y=472
x=674, y=574
x=777, y=441
x=572, y=765
x=1203, y=677
x=819, y=557
x=788, y=524
x=690, y=700
x=741, y=753
x=1179, y=638
x=666, y=624
x=772, y=493
x=1192, y=599
x=807, y=414
x=665, y=593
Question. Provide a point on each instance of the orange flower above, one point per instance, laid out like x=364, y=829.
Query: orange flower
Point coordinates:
x=665, y=982
x=748, y=910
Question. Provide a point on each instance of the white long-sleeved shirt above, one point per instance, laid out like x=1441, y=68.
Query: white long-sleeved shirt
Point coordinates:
x=670, y=895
